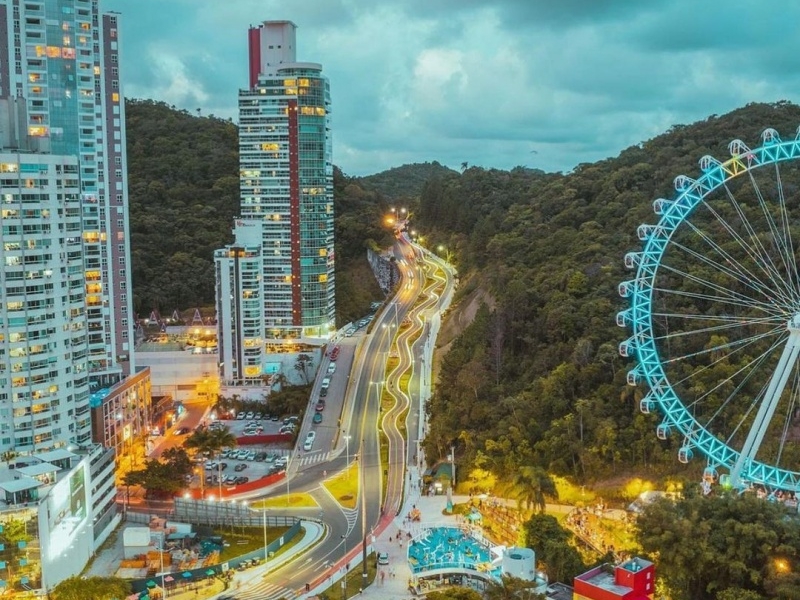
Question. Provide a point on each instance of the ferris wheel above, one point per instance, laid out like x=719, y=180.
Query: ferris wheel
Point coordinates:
x=715, y=314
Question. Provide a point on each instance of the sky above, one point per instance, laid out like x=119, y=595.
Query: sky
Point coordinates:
x=545, y=84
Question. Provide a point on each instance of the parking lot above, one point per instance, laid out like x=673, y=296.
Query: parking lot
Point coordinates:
x=246, y=463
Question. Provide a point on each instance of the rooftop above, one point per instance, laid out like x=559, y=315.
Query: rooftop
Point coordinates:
x=602, y=577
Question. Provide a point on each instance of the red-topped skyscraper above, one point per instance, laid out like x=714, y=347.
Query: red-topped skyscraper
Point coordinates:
x=276, y=282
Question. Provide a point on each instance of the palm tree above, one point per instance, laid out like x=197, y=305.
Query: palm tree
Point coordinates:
x=210, y=442
x=531, y=486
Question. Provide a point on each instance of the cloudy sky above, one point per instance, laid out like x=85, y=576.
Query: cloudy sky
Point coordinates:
x=496, y=83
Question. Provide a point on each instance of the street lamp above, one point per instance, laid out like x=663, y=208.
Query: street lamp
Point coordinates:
x=347, y=444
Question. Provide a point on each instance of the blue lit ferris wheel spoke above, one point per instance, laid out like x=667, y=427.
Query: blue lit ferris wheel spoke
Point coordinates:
x=725, y=318
x=762, y=257
x=737, y=272
x=702, y=330
x=766, y=308
x=777, y=236
x=731, y=344
x=785, y=225
x=755, y=256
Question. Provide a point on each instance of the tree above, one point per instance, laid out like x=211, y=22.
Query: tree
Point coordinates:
x=91, y=588
x=210, y=442
x=554, y=547
x=512, y=588
x=734, y=542
x=178, y=460
x=302, y=364
x=531, y=486
x=456, y=593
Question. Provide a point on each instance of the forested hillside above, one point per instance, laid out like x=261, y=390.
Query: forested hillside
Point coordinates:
x=404, y=182
x=184, y=193
x=538, y=381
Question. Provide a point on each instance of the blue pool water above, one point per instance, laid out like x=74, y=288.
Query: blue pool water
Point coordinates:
x=449, y=548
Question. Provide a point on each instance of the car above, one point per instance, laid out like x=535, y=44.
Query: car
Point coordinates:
x=323, y=392
x=335, y=353
x=309, y=443
x=250, y=432
x=230, y=479
x=223, y=466
x=181, y=431
x=274, y=418
x=211, y=465
x=332, y=368
x=282, y=461
x=317, y=418
x=242, y=454
x=241, y=480
x=326, y=383
x=261, y=456
x=293, y=419
x=258, y=416
x=225, y=453
x=383, y=558
x=249, y=415
x=320, y=406
x=240, y=467
x=350, y=331
x=251, y=455
x=241, y=416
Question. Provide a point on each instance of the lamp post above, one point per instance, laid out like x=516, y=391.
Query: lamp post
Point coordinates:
x=347, y=445
x=266, y=552
x=161, y=563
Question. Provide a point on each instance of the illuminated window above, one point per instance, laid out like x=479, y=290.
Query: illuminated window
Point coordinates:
x=54, y=52
x=37, y=131
x=323, y=278
x=302, y=82
x=269, y=147
x=115, y=97
x=289, y=82
x=323, y=252
x=290, y=91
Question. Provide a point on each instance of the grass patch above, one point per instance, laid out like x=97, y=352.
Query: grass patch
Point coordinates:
x=384, y=462
x=570, y=493
x=298, y=500
x=344, y=486
x=289, y=545
x=243, y=540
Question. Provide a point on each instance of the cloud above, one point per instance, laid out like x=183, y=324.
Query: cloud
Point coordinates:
x=483, y=81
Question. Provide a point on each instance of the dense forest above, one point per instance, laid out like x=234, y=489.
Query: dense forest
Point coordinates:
x=183, y=173
x=538, y=381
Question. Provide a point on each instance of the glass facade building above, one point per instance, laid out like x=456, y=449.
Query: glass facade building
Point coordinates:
x=286, y=186
x=62, y=58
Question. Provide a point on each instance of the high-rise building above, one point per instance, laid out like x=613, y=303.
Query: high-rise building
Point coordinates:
x=61, y=58
x=286, y=187
x=64, y=253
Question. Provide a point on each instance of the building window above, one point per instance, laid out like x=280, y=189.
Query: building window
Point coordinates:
x=119, y=197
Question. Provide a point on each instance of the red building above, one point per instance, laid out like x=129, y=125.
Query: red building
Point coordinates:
x=635, y=579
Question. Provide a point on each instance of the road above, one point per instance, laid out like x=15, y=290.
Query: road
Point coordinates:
x=360, y=421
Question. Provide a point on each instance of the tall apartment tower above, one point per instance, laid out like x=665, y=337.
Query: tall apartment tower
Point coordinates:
x=286, y=187
x=66, y=322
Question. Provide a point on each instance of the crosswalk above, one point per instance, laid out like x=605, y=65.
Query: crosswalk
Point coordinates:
x=264, y=590
x=312, y=458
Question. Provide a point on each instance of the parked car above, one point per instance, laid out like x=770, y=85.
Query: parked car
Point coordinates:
x=326, y=382
x=241, y=416
x=251, y=455
x=249, y=415
x=211, y=465
x=230, y=479
x=257, y=416
x=317, y=418
x=242, y=454
x=223, y=466
x=320, y=406
x=309, y=443
x=383, y=558
x=274, y=418
x=335, y=353
x=241, y=480
x=240, y=467
x=261, y=456
x=332, y=368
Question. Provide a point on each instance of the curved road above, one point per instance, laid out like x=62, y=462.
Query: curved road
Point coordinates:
x=361, y=419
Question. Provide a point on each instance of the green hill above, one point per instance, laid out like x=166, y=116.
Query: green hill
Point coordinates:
x=406, y=181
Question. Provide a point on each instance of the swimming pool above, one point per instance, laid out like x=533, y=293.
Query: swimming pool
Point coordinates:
x=450, y=548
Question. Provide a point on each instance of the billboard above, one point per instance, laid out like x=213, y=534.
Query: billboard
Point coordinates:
x=65, y=526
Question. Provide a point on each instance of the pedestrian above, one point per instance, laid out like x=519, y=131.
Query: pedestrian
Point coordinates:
x=390, y=539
